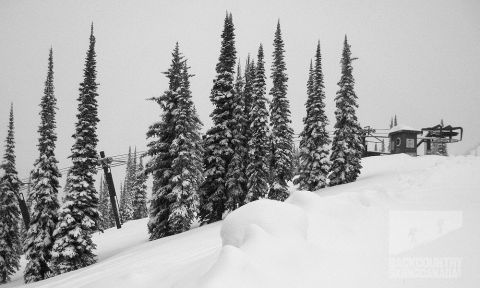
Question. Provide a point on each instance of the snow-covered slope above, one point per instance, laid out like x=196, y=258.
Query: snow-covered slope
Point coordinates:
x=407, y=222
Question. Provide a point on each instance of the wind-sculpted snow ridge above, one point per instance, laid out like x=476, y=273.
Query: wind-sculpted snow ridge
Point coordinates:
x=273, y=217
x=264, y=245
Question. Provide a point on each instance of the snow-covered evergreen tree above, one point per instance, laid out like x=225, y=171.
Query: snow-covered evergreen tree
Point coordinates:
x=236, y=178
x=347, y=144
x=176, y=151
x=140, y=193
x=10, y=248
x=133, y=177
x=248, y=95
x=121, y=209
x=391, y=122
x=282, y=132
x=79, y=217
x=106, y=220
x=126, y=198
x=395, y=122
x=259, y=146
x=187, y=166
x=314, y=162
x=160, y=164
x=219, y=147
x=43, y=195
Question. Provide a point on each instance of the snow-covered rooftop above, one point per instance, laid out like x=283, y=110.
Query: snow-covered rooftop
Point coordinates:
x=402, y=127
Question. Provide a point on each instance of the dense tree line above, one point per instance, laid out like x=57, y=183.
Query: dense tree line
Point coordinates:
x=247, y=154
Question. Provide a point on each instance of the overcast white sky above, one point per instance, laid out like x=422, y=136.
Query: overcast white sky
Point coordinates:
x=417, y=59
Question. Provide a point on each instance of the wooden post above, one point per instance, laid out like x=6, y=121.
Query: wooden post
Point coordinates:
x=24, y=210
x=111, y=188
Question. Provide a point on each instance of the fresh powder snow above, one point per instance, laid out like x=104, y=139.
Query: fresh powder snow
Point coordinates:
x=406, y=222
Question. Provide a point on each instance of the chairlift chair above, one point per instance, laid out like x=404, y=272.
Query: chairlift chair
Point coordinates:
x=439, y=135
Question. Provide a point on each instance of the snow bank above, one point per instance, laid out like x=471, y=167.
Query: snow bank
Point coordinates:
x=274, y=217
x=343, y=236
x=350, y=228
x=264, y=245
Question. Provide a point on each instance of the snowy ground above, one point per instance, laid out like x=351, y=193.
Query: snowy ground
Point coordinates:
x=407, y=222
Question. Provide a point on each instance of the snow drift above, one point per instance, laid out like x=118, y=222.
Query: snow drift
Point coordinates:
x=392, y=228
x=262, y=242
x=406, y=222
x=272, y=217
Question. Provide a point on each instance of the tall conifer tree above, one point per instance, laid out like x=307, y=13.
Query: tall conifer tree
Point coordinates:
x=140, y=193
x=314, y=163
x=43, y=195
x=259, y=146
x=126, y=200
x=106, y=221
x=282, y=132
x=187, y=166
x=10, y=248
x=176, y=163
x=79, y=218
x=236, y=178
x=219, y=144
x=133, y=182
x=125, y=184
x=347, y=144
x=248, y=95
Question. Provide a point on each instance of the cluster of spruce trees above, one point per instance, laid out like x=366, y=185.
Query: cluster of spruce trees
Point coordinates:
x=393, y=121
x=248, y=153
x=59, y=237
